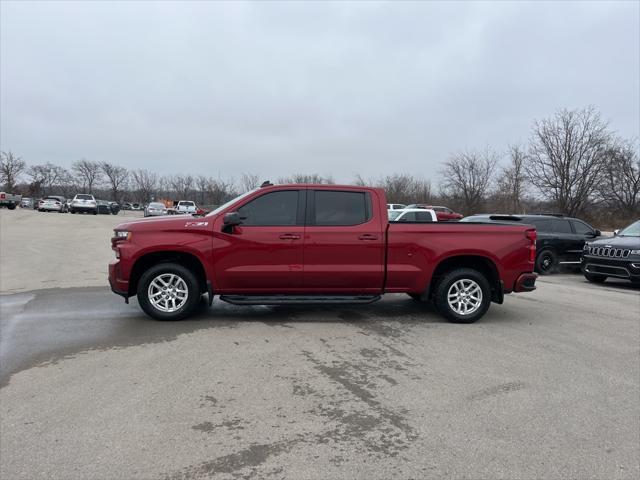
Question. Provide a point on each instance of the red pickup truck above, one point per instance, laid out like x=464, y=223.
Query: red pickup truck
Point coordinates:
x=284, y=244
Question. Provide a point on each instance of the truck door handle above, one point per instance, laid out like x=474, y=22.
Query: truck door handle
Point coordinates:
x=289, y=236
x=367, y=236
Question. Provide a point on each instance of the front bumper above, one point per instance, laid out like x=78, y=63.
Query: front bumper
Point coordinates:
x=525, y=282
x=626, y=268
x=118, y=286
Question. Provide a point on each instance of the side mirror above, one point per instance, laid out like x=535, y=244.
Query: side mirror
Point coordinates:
x=616, y=231
x=231, y=219
x=597, y=233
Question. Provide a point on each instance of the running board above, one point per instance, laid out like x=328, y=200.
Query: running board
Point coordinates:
x=298, y=299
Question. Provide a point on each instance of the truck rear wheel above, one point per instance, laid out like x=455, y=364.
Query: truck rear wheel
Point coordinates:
x=463, y=295
x=168, y=291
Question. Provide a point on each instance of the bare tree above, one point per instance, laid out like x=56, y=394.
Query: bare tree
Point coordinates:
x=400, y=187
x=567, y=157
x=512, y=181
x=249, y=181
x=307, y=178
x=46, y=177
x=620, y=188
x=89, y=173
x=117, y=177
x=11, y=167
x=182, y=185
x=467, y=177
x=219, y=191
x=145, y=184
x=202, y=183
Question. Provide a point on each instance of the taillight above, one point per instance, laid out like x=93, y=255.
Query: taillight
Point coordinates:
x=532, y=237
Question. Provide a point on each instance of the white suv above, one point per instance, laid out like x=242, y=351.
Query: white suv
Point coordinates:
x=83, y=202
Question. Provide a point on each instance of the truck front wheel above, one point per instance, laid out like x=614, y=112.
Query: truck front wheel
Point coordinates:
x=168, y=291
x=463, y=295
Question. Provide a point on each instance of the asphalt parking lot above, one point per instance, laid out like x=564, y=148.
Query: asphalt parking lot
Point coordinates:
x=545, y=386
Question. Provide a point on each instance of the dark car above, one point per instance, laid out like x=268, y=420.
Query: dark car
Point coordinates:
x=115, y=207
x=103, y=207
x=617, y=256
x=560, y=239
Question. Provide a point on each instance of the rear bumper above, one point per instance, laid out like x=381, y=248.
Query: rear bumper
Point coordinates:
x=525, y=282
x=118, y=286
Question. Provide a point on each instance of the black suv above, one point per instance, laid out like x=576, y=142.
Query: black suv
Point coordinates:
x=560, y=239
x=617, y=256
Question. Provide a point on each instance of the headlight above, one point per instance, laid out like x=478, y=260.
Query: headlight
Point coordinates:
x=122, y=234
x=634, y=252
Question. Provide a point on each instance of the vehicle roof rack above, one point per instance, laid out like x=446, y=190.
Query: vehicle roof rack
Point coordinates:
x=552, y=214
x=266, y=183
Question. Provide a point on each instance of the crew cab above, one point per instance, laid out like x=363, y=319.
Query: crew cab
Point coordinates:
x=305, y=243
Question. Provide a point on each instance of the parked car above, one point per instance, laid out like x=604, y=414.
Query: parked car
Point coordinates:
x=617, y=256
x=84, y=203
x=126, y=206
x=444, y=214
x=103, y=207
x=396, y=206
x=254, y=249
x=419, y=215
x=52, y=203
x=9, y=201
x=186, y=206
x=37, y=203
x=26, y=202
x=560, y=239
x=155, y=209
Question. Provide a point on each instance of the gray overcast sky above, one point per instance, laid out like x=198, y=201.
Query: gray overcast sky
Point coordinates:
x=273, y=88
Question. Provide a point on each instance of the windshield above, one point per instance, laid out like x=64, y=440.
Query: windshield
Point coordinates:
x=230, y=202
x=393, y=214
x=632, y=230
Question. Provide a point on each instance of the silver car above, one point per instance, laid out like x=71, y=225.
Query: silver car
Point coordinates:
x=53, y=203
x=155, y=209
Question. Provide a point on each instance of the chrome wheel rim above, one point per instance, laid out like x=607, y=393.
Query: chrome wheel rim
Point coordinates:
x=464, y=296
x=168, y=292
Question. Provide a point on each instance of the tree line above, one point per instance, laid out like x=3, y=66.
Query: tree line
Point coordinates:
x=573, y=164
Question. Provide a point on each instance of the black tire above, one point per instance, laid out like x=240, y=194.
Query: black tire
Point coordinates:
x=193, y=291
x=73, y=211
x=546, y=262
x=95, y=212
x=595, y=278
x=445, y=284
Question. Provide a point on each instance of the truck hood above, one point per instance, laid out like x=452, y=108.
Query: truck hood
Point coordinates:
x=171, y=222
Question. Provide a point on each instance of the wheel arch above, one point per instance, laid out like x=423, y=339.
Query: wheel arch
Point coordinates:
x=482, y=264
x=188, y=260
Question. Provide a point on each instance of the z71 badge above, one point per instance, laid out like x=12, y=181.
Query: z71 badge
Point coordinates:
x=196, y=224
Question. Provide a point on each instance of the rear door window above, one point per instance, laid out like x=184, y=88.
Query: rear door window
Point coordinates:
x=561, y=226
x=340, y=208
x=541, y=225
x=271, y=209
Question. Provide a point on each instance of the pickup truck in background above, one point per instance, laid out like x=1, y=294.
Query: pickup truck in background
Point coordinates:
x=9, y=201
x=316, y=244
